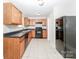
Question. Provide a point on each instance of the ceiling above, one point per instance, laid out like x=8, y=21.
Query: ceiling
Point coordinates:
x=31, y=8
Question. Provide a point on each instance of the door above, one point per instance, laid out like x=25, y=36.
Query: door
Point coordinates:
x=70, y=35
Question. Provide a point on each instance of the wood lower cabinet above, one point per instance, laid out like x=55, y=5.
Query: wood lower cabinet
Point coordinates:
x=11, y=15
x=44, y=33
x=13, y=48
x=29, y=36
x=22, y=45
x=33, y=33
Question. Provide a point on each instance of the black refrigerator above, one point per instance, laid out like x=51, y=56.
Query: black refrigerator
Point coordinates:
x=66, y=36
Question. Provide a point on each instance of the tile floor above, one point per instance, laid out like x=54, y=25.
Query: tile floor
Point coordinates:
x=40, y=49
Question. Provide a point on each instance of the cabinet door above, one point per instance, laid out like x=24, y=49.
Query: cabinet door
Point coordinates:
x=29, y=36
x=22, y=46
x=32, y=22
x=11, y=48
x=7, y=14
x=16, y=16
x=11, y=14
x=44, y=33
x=70, y=32
x=33, y=33
x=26, y=21
x=44, y=21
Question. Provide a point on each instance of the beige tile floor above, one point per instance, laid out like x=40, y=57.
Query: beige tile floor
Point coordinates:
x=40, y=49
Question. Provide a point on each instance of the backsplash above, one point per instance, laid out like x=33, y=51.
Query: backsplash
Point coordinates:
x=11, y=28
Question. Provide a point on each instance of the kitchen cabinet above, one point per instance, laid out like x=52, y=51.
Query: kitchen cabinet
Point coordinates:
x=29, y=36
x=33, y=33
x=13, y=48
x=26, y=21
x=33, y=21
x=26, y=40
x=44, y=33
x=44, y=22
x=12, y=16
x=22, y=45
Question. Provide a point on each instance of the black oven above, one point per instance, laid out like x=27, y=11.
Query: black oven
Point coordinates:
x=38, y=32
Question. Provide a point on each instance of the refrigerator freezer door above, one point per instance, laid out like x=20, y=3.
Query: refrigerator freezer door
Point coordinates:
x=70, y=36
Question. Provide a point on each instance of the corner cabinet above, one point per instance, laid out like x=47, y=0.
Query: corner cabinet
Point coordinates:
x=12, y=16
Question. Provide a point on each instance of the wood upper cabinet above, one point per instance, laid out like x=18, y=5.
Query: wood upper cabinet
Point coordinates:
x=44, y=33
x=33, y=21
x=11, y=14
x=44, y=21
x=26, y=21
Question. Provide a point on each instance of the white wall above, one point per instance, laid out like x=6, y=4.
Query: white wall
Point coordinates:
x=66, y=8
x=51, y=29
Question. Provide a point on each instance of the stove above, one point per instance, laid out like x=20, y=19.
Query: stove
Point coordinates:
x=38, y=32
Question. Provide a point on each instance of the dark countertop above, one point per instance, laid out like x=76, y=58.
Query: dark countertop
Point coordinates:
x=16, y=34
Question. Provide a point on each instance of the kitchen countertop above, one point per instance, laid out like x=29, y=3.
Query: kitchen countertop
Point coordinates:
x=19, y=33
x=33, y=27
x=16, y=34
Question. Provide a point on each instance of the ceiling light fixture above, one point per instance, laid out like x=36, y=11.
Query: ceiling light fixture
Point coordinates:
x=38, y=14
x=41, y=2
